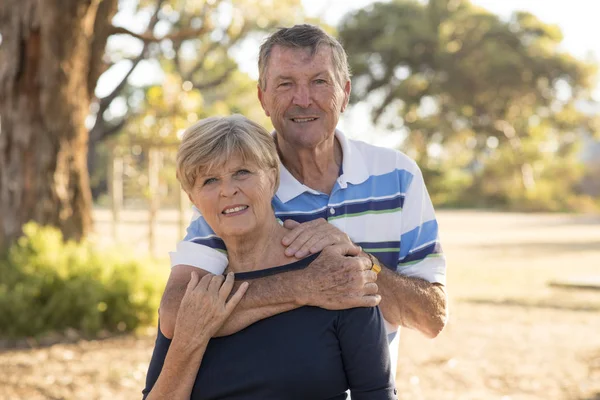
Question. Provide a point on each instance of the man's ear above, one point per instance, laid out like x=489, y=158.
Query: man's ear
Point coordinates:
x=262, y=100
x=347, y=90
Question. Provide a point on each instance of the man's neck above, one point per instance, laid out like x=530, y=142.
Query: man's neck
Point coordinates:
x=318, y=168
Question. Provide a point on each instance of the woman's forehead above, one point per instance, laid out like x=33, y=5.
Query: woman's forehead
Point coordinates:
x=229, y=163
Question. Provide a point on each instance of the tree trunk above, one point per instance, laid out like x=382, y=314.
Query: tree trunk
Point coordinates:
x=44, y=100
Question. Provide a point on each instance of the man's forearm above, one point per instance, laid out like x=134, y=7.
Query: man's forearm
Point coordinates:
x=264, y=298
x=412, y=302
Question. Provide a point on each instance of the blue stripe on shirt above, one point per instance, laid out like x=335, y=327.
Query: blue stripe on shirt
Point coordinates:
x=417, y=237
x=421, y=254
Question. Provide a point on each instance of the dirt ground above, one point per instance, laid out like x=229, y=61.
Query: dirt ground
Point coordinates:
x=511, y=335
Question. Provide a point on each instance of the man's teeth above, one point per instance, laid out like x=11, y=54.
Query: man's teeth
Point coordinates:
x=235, y=209
x=304, y=119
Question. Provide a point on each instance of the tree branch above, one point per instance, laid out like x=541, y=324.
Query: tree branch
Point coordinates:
x=103, y=130
x=212, y=47
x=106, y=11
x=215, y=82
x=100, y=129
x=146, y=37
x=105, y=101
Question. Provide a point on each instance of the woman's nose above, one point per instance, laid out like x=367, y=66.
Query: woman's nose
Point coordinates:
x=229, y=188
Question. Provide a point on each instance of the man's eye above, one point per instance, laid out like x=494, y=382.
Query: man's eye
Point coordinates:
x=285, y=84
x=320, y=81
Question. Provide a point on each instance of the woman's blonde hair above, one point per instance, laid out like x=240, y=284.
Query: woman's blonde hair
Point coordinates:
x=210, y=142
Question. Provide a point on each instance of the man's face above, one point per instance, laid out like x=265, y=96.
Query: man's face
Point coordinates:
x=302, y=96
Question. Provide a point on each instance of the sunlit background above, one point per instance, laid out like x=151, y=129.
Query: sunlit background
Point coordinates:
x=498, y=101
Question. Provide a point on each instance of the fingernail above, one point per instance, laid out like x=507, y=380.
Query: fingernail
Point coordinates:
x=290, y=252
x=300, y=254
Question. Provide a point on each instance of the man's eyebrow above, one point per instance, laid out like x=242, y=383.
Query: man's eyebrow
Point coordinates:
x=325, y=73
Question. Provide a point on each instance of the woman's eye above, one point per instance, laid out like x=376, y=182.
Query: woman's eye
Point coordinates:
x=242, y=172
x=209, y=181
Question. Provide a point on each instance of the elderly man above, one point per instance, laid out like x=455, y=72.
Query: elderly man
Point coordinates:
x=335, y=194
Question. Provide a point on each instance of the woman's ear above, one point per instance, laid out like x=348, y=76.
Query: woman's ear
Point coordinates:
x=273, y=179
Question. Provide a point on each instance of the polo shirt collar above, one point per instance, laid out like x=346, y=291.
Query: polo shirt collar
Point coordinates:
x=354, y=171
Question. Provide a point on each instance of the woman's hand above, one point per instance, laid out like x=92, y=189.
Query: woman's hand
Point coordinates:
x=204, y=308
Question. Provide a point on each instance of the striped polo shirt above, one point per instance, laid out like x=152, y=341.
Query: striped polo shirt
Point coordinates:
x=379, y=200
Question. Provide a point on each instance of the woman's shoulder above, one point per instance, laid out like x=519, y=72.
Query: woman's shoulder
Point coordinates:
x=261, y=273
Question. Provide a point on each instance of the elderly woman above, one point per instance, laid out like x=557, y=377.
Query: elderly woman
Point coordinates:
x=230, y=170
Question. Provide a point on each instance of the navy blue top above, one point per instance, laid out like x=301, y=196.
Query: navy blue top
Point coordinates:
x=306, y=353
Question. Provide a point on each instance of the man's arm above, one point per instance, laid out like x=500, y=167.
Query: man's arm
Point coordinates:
x=412, y=302
x=265, y=297
x=335, y=280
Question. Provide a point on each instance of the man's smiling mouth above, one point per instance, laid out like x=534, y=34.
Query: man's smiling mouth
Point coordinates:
x=302, y=120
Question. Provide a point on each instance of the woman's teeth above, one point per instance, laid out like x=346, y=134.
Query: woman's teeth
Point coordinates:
x=234, y=209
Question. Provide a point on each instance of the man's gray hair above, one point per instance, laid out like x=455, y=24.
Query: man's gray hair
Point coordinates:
x=303, y=36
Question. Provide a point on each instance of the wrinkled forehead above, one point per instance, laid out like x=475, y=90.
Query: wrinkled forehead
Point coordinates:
x=228, y=160
x=283, y=58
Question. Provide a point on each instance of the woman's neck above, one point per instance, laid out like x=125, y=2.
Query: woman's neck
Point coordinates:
x=261, y=249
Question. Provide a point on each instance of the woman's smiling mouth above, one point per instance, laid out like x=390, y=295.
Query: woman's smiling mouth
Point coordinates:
x=234, y=209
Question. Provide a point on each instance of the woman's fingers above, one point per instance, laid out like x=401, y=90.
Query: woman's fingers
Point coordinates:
x=226, y=287
x=204, y=282
x=215, y=284
x=235, y=299
x=193, y=281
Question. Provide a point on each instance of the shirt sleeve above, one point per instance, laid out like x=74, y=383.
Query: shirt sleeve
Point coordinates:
x=365, y=354
x=201, y=248
x=161, y=347
x=421, y=254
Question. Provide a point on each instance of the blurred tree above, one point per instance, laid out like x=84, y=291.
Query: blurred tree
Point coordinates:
x=52, y=55
x=488, y=107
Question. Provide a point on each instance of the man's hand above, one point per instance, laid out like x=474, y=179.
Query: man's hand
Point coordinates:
x=311, y=237
x=338, y=279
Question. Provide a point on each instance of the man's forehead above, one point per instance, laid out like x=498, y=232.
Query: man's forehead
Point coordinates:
x=300, y=54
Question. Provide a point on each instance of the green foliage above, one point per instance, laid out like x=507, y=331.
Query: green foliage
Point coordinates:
x=197, y=60
x=194, y=57
x=499, y=98
x=49, y=285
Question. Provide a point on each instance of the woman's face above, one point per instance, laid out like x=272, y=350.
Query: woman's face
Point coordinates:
x=234, y=198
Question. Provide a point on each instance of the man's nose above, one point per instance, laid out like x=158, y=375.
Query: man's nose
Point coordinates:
x=302, y=96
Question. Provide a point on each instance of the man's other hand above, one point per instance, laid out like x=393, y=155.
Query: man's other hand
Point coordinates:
x=311, y=237
x=339, y=279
